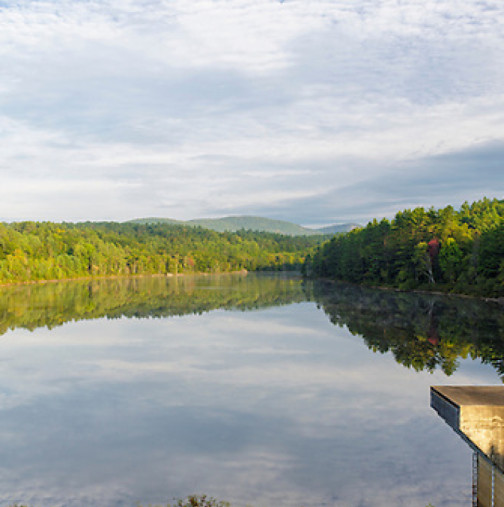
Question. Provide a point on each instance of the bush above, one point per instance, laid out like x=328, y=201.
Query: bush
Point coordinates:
x=195, y=501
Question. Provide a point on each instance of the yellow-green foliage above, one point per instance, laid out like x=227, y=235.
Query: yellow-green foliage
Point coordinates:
x=32, y=251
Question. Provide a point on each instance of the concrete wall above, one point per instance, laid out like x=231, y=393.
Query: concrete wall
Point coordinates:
x=447, y=410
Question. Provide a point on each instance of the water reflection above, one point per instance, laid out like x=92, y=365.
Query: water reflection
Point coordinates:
x=476, y=413
x=422, y=331
x=53, y=304
x=274, y=406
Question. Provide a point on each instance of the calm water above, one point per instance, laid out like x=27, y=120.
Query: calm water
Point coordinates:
x=259, y=390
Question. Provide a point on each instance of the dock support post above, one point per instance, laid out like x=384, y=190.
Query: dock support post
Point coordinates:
x=493, y=485
x=475, y=479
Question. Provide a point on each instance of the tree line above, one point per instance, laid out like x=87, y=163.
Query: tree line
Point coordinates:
x=31, y=251
x=436, y=249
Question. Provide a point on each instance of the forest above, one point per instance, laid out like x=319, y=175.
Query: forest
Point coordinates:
x=31, y=251
x=436, y=249
x=444, y=249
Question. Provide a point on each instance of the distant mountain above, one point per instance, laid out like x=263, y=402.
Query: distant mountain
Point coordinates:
x=338, y=228
x=156, y=220
x=235, y=223
x=255, y=224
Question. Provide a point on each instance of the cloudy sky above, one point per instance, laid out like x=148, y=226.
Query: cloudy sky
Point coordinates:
x=314, y=111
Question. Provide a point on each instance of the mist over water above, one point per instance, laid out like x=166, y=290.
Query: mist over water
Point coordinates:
x=259, y=390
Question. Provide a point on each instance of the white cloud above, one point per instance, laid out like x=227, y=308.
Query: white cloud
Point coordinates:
x=217, y=106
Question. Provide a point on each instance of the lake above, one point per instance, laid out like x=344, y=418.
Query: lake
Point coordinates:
x=261, y=390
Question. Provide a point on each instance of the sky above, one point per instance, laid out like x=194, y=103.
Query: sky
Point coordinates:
x=312, y=111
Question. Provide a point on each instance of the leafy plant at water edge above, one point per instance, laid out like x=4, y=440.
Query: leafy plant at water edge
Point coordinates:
x=195, y=501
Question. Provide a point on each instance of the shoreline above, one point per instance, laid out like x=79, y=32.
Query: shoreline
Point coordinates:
x=112, y=277
x=496, y=300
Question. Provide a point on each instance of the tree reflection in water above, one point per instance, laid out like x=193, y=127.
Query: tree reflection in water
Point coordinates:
x=52, y=304
x=423, y=331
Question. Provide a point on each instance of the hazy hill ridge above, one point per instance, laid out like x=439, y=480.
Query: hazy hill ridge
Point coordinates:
x=235, y=223
x=338, y=228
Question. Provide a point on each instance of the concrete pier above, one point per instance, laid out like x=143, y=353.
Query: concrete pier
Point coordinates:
x=476, y=413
